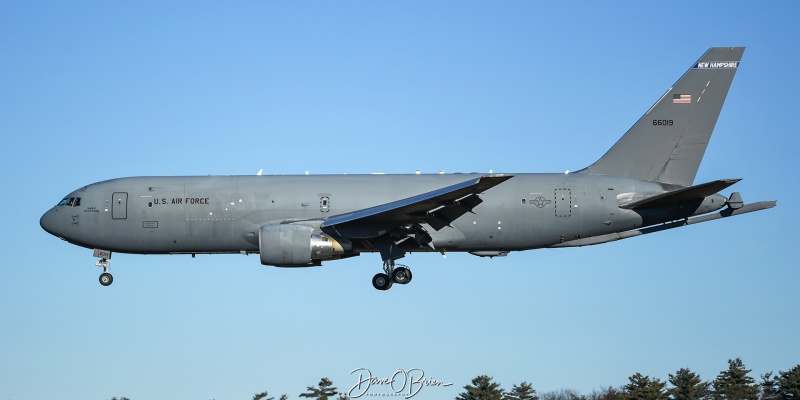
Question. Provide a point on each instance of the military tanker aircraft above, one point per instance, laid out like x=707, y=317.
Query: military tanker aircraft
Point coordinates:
x=643, y=184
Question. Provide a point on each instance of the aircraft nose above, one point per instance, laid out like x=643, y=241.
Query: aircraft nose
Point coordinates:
x=48, y=222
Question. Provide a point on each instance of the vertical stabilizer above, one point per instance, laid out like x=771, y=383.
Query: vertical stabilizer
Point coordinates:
x=668, y=142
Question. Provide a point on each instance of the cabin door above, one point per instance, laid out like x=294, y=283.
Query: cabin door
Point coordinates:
x=563, y=203
x=119, y=205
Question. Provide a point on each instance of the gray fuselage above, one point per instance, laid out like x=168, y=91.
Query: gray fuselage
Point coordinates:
x=222, y=214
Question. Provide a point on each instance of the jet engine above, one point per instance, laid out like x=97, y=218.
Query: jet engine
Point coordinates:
x=296, y=245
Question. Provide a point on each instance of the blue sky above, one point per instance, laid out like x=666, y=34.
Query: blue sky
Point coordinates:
x=97, y=90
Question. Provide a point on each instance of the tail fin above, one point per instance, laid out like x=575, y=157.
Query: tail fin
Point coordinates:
x=668, y=142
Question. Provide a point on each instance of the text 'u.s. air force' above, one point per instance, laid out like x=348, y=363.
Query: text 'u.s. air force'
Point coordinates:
x=183, y=200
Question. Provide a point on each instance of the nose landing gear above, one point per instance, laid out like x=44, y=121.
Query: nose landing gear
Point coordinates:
x=105, y=278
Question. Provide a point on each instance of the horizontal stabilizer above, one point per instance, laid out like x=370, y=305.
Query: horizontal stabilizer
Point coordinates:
x=678, y=196
x=611, y=237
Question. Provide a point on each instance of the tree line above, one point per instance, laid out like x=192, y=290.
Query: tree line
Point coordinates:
x=733, y=383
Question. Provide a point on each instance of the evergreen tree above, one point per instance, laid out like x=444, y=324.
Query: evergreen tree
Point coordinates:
x=522, y=392
x=686, y=385
x=482, y=388
x=562, y=394
x=262, y=396
x=789, y=384
x=611, y=393
x=734, y=383
x=324, y=391
x=769, y=388
x=642, y=387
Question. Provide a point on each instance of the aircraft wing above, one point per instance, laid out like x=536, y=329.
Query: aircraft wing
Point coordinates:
x=437, y=208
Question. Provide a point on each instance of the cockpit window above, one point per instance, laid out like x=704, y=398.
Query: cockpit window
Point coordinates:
x=70, y=202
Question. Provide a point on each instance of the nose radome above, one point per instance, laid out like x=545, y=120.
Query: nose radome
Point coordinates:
x=47, y=222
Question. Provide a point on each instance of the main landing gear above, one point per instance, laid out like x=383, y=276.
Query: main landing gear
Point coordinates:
x=391, y=274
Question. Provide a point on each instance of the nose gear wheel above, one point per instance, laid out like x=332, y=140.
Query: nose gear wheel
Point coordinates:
x=105, y=278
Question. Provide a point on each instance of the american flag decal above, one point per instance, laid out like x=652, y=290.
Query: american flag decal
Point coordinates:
x=681, y=99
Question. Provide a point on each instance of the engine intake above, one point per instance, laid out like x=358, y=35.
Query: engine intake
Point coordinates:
x=294, y=245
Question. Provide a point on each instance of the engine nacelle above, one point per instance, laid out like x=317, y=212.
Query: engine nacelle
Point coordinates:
x=294, y=245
